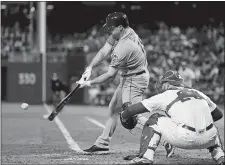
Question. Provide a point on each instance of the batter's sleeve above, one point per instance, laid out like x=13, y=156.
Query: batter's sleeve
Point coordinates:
x=211, y=104
x=153, y=103
x=120, y=55
x=111, y=40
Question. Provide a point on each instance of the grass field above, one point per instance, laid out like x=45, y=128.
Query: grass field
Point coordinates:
x=27, y=138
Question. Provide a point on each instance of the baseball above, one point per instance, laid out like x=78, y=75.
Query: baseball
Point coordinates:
x=24, y=106
x=46, y=116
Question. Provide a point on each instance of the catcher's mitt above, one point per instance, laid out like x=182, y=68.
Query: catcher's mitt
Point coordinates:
x=129, y=123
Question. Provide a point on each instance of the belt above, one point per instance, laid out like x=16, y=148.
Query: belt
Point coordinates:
x=194, y=130
x=133, y=74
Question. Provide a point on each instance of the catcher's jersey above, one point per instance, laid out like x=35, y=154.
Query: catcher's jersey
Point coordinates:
x=128, y=53
x=185, y=106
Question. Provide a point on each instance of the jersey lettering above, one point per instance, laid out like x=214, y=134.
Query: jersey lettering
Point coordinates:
x=184, y=95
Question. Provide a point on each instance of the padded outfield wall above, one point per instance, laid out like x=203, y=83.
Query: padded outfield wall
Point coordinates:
x=23, y=81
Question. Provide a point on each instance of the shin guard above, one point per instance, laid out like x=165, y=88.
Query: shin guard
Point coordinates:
x=150, y=138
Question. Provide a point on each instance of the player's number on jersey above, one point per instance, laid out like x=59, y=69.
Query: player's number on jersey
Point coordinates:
x=186, y=95
x=26, y=78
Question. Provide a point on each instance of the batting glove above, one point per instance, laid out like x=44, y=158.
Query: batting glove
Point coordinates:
x=83, y=83
x=87, y=74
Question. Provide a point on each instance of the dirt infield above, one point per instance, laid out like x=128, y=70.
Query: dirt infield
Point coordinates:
x=27, y=138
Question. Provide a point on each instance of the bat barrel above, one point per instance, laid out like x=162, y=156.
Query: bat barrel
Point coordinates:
x=60, y=106
x=52, y=116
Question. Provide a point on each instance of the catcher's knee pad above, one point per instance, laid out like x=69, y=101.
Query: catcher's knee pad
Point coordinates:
x=150, y=138
x=216, y=152
x=153, y=119
x=217, y=149
x=219, y=141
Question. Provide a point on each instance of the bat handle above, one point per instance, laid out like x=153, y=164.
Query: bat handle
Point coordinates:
x=84, y=78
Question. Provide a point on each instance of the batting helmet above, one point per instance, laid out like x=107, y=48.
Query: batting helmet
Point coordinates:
x=115, y=19
x=172, y=77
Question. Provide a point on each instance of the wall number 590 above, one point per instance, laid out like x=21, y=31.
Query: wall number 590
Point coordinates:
x=26, y=78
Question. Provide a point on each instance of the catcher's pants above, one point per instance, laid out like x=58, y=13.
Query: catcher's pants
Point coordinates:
x=183, y=138
x=130, y=89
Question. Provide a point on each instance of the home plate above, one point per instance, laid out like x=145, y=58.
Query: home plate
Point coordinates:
x=71, y=159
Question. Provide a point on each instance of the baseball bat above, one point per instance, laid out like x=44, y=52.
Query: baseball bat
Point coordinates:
x=62, y=103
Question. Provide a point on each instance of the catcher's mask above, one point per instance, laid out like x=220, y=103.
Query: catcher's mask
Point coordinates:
x=172, y=77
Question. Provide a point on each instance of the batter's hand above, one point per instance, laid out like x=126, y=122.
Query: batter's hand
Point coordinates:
x=87, y=73
x=83, y=82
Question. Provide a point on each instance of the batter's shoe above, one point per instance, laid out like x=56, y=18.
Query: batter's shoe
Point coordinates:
x=142, y=161
x=130, y=157
x=169, y=149
x=96, y=149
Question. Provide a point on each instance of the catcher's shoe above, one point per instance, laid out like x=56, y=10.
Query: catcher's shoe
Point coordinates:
x=169, y=149
x=143, y=161
x=95, y=149
x=130, y=157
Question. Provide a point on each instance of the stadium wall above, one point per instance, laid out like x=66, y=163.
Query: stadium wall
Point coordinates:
x=24, y=81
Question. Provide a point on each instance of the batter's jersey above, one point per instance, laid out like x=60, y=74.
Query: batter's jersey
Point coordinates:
x=128, y=54
x=185, y=106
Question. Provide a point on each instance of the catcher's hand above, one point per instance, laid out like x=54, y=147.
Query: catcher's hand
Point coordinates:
x=87, y=73
x=130, y=122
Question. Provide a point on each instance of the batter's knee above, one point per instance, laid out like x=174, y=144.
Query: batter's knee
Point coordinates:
x=125, y=106
x=115, y=109
x=112, y=104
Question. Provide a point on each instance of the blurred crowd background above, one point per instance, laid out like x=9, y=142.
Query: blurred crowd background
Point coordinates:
x=197, y=44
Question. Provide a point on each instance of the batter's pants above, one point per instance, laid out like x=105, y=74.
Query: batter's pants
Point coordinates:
x=130, y=89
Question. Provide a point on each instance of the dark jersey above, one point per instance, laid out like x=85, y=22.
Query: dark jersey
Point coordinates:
x=57, y=85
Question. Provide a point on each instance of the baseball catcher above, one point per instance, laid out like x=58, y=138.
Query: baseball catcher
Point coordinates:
x=188, y=122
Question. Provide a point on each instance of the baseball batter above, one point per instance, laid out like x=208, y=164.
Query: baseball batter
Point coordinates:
x=128, y=58
x=188, y=122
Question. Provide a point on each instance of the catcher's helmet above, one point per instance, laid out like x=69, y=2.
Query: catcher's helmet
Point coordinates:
x=170, y=76
x=115, y=19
